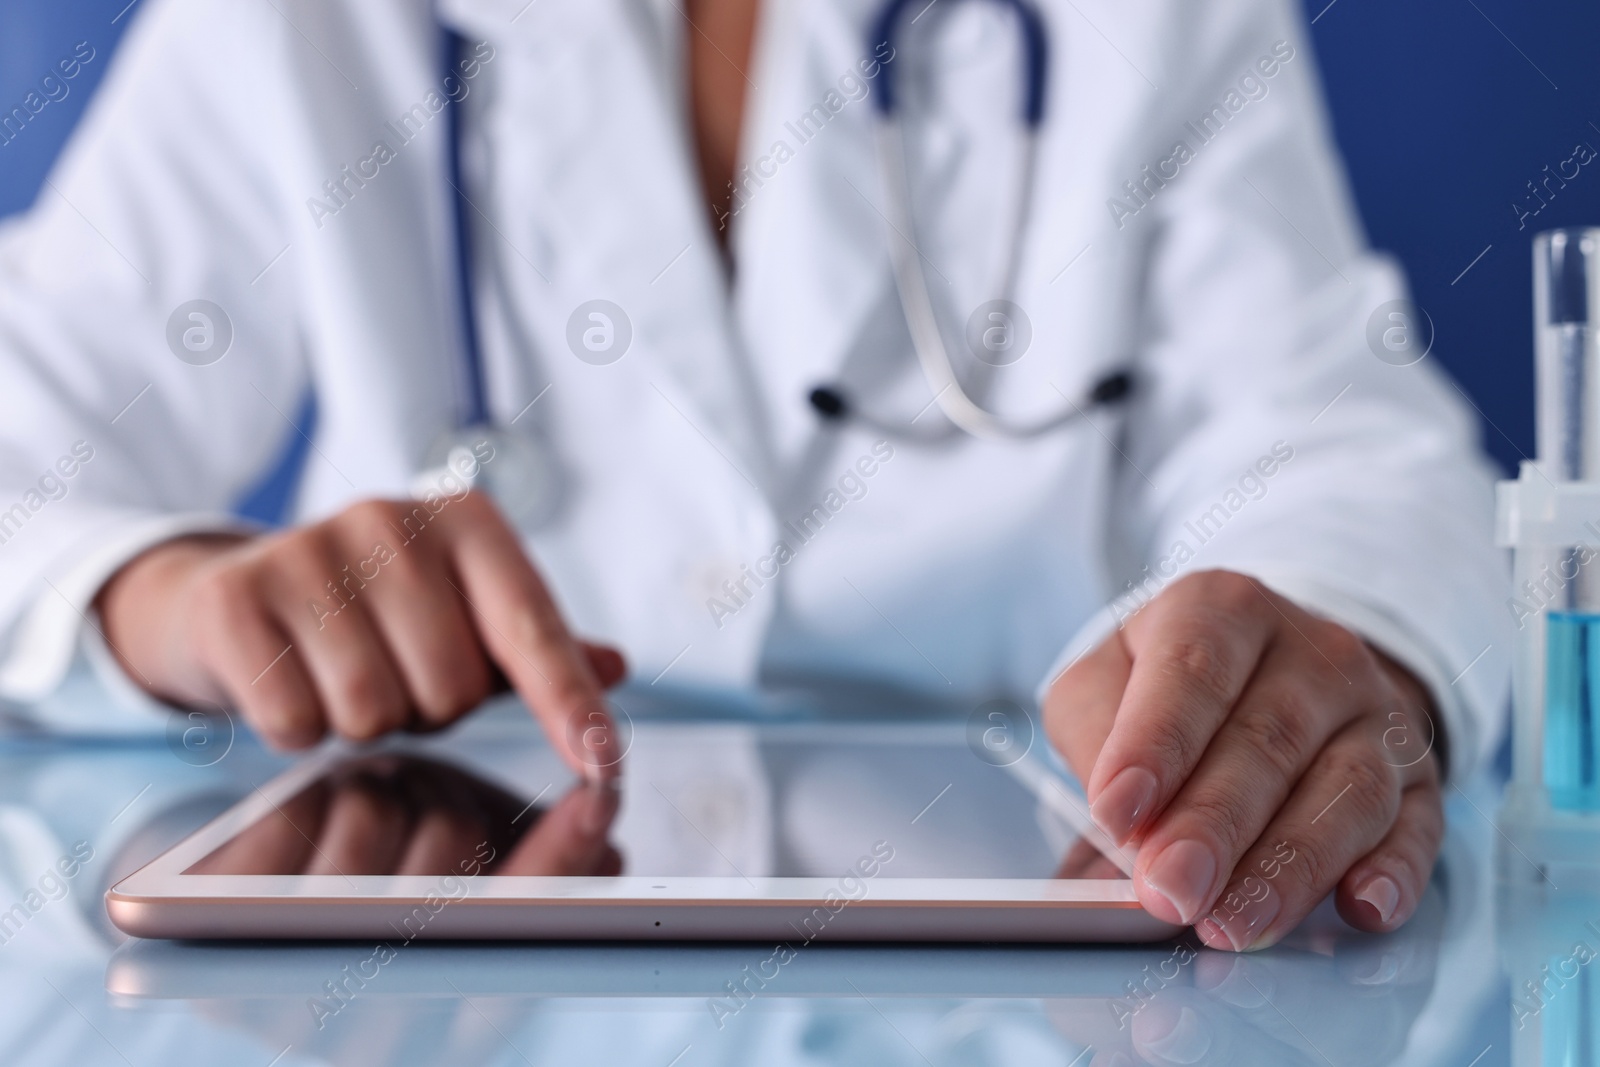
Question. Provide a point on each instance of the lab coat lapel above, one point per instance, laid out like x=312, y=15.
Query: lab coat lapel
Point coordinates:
x=598, y=87
x=807, y=229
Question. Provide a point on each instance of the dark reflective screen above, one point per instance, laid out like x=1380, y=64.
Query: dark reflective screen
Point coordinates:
x=704, y=801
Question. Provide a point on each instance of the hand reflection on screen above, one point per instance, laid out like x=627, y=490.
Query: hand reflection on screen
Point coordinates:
x=405, y=815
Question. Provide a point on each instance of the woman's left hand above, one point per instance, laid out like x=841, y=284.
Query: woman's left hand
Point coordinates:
x=1259, y=756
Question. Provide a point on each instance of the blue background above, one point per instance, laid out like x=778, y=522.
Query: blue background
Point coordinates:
x=1445, y=110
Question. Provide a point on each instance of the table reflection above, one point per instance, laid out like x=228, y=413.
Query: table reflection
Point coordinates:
x=1432, y=995
x=1326, y=995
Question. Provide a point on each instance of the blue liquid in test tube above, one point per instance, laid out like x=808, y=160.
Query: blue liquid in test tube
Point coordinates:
x=1572, y=707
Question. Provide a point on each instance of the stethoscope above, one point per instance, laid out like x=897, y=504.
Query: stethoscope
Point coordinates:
x=519, y=471
x=927, y=338
x=523, y=475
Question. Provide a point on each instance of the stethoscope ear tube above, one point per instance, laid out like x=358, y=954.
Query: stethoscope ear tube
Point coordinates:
x=1035, y=56
x=906, y=259
x=928, y=340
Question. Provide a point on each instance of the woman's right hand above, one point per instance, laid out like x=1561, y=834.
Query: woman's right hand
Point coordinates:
x=391, y=615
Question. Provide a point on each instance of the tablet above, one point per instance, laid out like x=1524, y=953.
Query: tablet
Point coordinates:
x=785, y=832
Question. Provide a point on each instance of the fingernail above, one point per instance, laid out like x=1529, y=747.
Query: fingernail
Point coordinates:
x=1379, y=972
x=1238, y=981
x=1171, y=1036
x=1120, y=805
x=1240, y=930
x=1213, y=935
x=1183, y=873
x=1383, y=894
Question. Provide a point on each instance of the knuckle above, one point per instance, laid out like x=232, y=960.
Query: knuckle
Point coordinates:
x=293, y=736
x=1199, y=667
x=1318, y=863
x=406, y=565
x=1223, y=815
x=225, y=596
x=365, y=697
x=295, y=559
x=365, y=514
x=1370, y=786
x=477, y=503
x=282, y=726
x=1405, y=734
x=1348, y=653
x=1279, y=731
x=1228, y=592
x=367, y=522
x=449, y=691
x=1174, y=751
x=473, y=510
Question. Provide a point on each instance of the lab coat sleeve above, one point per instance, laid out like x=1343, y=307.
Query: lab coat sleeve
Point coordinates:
x=1257, y=307
x=115, y=434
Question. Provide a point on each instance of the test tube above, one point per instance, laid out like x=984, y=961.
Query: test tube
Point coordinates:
x=1566, y=270
x=1566, y=287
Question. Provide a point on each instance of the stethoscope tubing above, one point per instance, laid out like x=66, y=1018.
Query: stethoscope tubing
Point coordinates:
x=911, y=282
x=475, y=399
x=961, y=411
x=917, y=301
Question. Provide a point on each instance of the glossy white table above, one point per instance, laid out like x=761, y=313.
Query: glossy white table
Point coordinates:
x=78, y=994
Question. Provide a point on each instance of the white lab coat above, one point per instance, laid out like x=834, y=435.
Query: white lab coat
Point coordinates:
x=1241, y=291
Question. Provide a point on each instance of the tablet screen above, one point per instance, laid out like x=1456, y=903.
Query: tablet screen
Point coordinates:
x=694, y=800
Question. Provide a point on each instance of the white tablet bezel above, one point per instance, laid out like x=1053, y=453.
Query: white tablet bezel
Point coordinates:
x=159, y=900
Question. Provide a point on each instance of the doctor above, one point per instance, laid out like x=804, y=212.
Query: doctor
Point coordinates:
x=597, y=259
